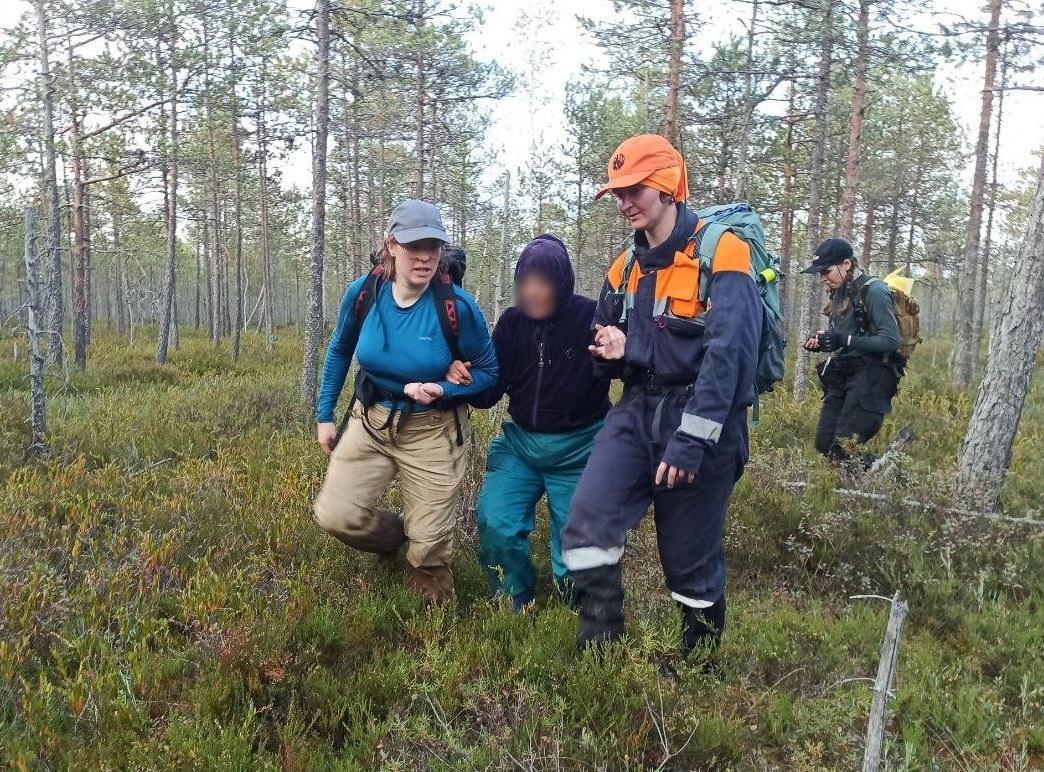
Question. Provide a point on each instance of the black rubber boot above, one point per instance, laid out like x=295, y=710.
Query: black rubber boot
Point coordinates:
x=600, y=592
x=702, y=627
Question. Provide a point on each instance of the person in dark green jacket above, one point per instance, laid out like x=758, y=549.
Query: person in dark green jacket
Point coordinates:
x=861, y=374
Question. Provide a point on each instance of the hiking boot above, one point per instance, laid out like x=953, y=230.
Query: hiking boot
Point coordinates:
x=702, y=627
x=434, y=583
x=600, y=591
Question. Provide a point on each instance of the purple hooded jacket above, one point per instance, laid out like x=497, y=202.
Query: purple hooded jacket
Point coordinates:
x=545, y=368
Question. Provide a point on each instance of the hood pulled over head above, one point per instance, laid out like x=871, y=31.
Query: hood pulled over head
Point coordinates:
x=547, y=255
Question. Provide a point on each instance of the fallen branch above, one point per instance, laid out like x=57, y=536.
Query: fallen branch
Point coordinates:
x=915, y=504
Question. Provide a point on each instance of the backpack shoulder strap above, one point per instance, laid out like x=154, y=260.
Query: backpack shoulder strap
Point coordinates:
x=863, y=320
x=365, y=299
x=446, y=306
x=367, y=296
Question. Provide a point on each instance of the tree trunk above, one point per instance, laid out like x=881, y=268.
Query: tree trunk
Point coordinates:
x=314, y=318
x=1014, y=342
x=786, y=244
x=748, y=108
x=815, y=193
x=120, y=269
x=53, y=230
x=79, y=261
x=674, y=69
x=88, y=292
x=962, y=360
x=199, y=258
x=170, y=192
x=418, y=108
x=267, y=309
x=237, y=326
x=502, y=259
x=855, y=129
x=868, y=236
x=37, y=405
x=979, y=315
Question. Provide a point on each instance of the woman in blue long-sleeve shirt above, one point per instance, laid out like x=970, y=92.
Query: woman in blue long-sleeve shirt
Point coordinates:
x=410, y=421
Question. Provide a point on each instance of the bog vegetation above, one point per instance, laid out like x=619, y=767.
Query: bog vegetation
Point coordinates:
x=169, y=604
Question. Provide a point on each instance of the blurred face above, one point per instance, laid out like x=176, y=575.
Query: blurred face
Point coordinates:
x=536, y=295
x=642, y=206
x=834, y=276
x=415, y=263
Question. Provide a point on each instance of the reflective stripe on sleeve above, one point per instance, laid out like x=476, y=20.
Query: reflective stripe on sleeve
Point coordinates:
x=691, y=602
x=583, y=558
x=699, y=427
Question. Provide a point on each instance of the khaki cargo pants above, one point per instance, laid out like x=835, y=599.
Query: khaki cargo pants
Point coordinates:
x=430, y=466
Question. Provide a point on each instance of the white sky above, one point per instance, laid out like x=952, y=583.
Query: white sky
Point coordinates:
x=552, y=49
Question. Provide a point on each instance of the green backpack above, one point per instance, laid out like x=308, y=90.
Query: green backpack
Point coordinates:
x=743, y=221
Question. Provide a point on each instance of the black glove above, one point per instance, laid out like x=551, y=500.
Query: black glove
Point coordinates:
x=832, y=341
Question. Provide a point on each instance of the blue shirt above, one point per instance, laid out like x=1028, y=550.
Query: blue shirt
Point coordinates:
x=397, y=346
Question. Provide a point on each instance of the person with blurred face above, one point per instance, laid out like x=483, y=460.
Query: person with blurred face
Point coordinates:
x=556, y=403
x=677, y=439
x=410, y=421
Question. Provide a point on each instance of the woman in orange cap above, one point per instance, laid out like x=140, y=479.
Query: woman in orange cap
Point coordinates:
x=678, y=437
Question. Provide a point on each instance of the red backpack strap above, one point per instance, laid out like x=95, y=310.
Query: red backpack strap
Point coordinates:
x=446, y=306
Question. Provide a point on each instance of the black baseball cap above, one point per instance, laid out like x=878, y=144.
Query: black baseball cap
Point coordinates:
x=831, y=252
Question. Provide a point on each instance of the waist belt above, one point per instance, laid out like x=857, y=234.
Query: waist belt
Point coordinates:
x=367, y=393
x=648, y=382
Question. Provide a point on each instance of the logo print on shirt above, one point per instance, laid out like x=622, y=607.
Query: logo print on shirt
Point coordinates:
x=426, y=338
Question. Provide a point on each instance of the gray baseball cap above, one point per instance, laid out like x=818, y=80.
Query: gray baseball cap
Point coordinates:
x=413, y=220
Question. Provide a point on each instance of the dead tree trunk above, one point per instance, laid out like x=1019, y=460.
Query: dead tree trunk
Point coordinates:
x=815, y=192
x=314, y=318
x=37, y=406
x=1015, y=339
x=875, y=730
x=962, y=361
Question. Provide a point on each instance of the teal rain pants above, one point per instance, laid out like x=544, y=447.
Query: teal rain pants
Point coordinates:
x=520, y=468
